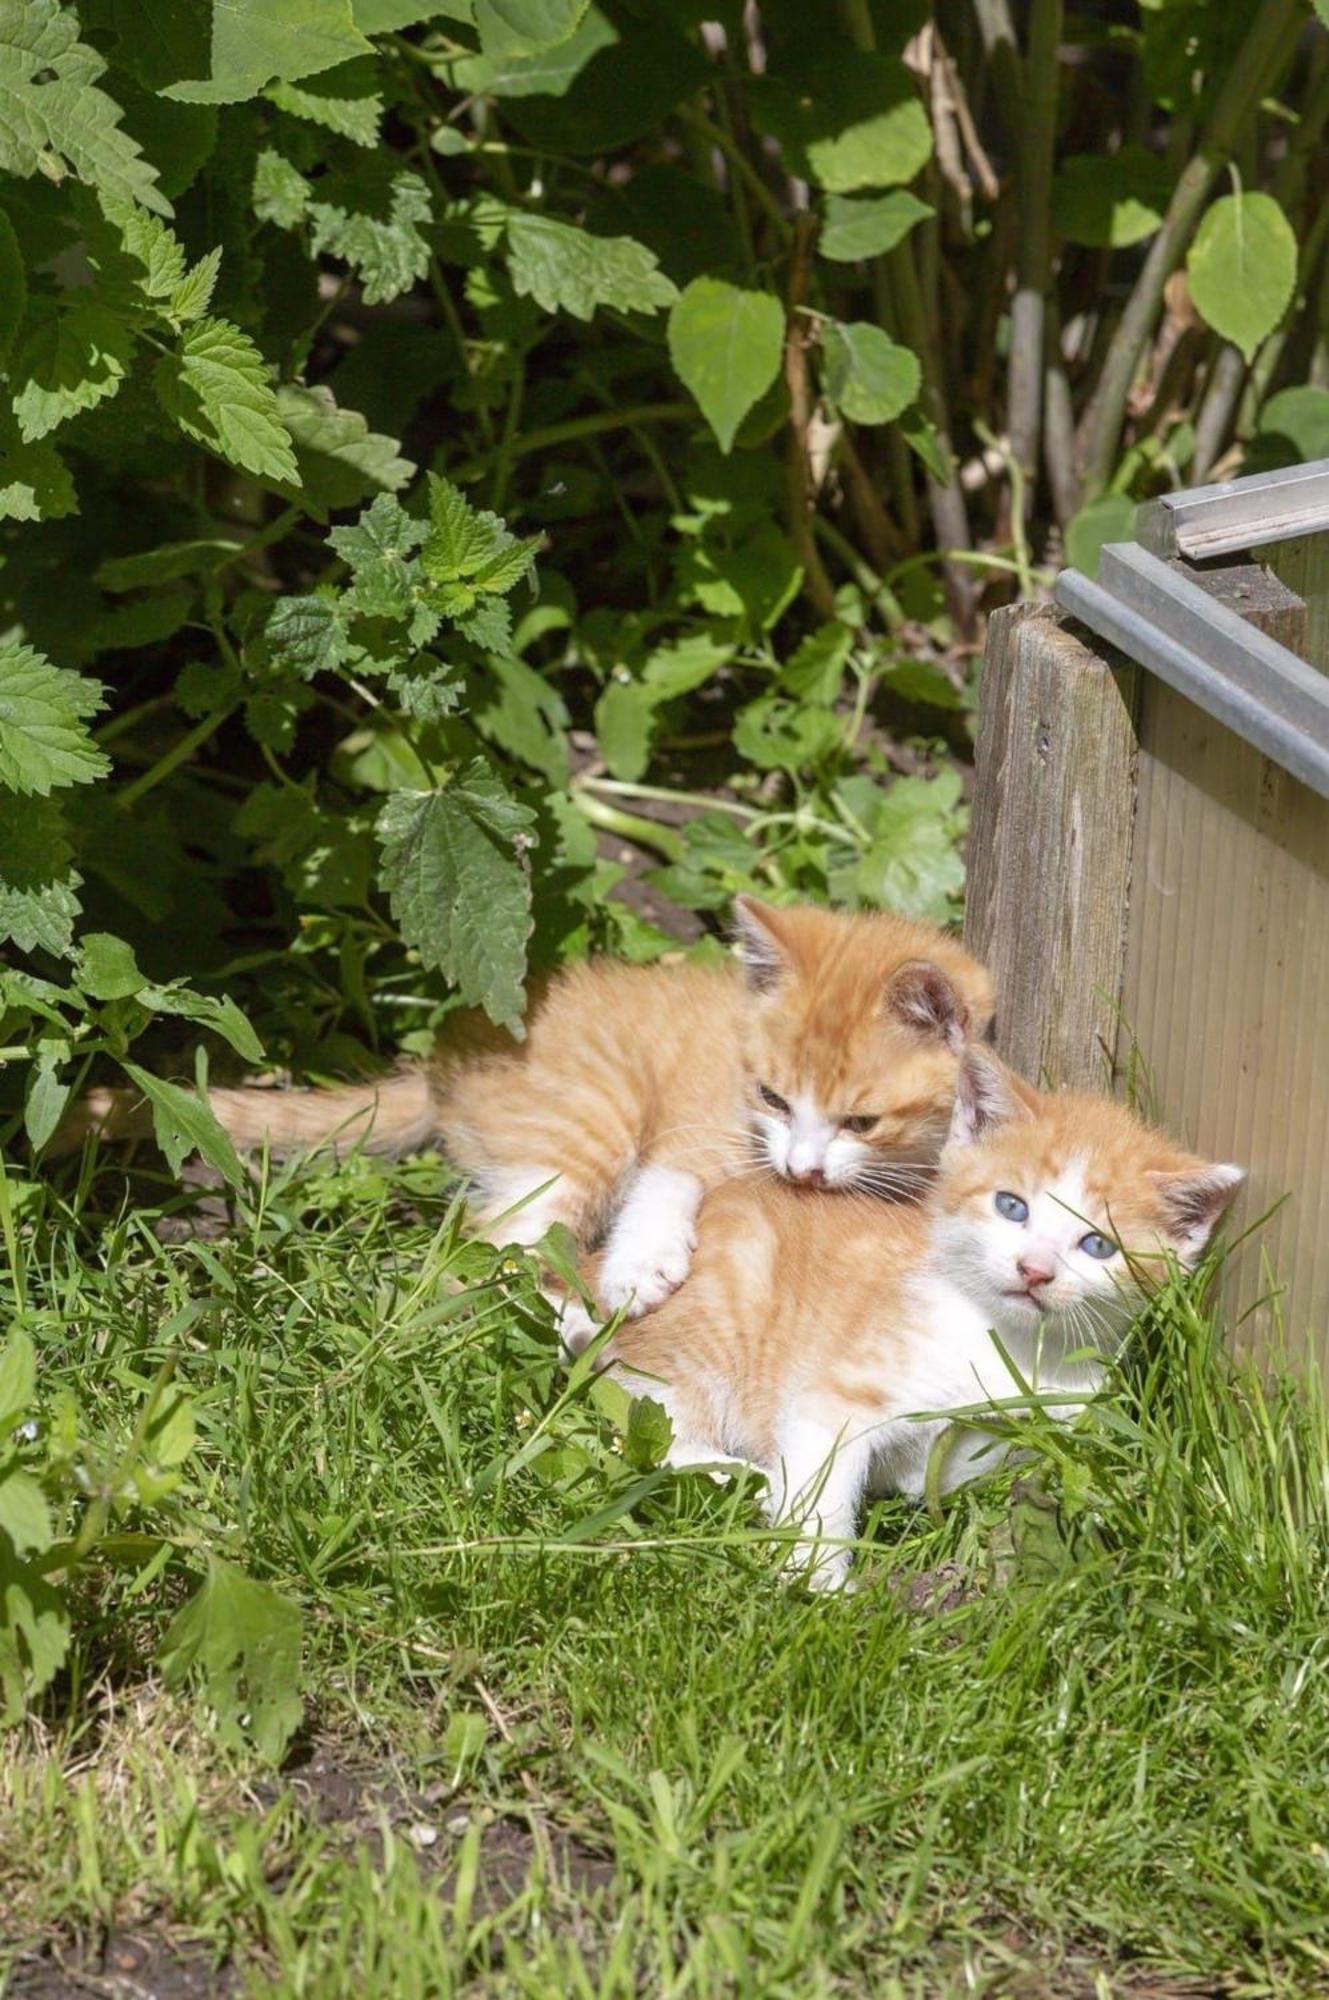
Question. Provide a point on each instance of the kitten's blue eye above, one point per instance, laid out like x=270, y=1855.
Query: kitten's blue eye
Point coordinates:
x=1013, y=1206
x=1098, y=1246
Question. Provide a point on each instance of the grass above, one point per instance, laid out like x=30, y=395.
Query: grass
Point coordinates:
x=566, y=1729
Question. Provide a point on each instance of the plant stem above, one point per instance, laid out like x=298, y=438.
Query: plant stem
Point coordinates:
x=574, y=428
x=742, y=165
x=629, y=826
x=623, y=789
x=1269, y=44
x=800, y=500
x=1038, y=132
x=179, y=753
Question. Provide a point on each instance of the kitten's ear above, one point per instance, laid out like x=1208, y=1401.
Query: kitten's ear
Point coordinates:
x=921, y=995
x=985, y=1097
x=1193, y=1201
x=762, y=934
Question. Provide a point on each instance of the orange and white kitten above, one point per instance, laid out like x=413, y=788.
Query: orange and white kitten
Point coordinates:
x=813, y=1334
x=829, y=1054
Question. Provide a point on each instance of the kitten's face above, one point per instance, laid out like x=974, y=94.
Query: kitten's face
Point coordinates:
x=853, y=1044
x=1064, y=1208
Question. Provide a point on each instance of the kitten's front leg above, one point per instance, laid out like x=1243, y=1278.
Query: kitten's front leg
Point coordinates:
x=820, y=1485
x=648, y=1251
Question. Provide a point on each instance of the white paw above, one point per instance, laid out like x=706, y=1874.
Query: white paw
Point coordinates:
x=577, y=1327
x=825, y=1570
x=642, y=1269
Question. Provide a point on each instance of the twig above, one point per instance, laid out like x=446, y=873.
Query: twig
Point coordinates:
x=1038, y=131
x=799, y=496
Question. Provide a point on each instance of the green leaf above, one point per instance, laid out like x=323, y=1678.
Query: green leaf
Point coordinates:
x=1301, y=416
x=1110, y=200
x=216, y=387
x=13, y=286
x=468, y=553
x=164, y=564
x=868, y=226
x=68, y=359
x=47, y=1093
x=18, y=1379
x=34, y=482
x=39, y=885
x=453, y=864
x=345, y=100
x=1110, y=518
x=855, y=120
x=307, y=635
x=566, y=269
x=254, y=42
x=34, y=1635
x=379, y=547
x=43, y=709
x=341, y=461
x=371, y=223
x=648, y=1435
x=281, y=192
x=549, y=73
x=107, y=968
x=815, y=671
x=193, y=295
x=244, y=1638
x=1243, y=268
x=779, y=735
x=53, y=117
x=221, y=1015
x=870, y=377
x=726, y=345
x=912, y=864
x=525, y=27
x=24, y=1514
x=624, y=724
x=183, y=1123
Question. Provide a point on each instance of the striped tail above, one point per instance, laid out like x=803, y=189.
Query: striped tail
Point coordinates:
x=395, y=1114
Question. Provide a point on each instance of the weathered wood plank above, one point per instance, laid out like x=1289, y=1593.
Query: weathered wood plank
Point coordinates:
x=1050, y=846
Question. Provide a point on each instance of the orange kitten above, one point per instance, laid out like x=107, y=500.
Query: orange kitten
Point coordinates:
x=830, y=1053
x=812, y=1333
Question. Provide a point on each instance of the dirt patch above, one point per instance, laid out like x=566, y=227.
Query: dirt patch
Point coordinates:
x=131, y=1965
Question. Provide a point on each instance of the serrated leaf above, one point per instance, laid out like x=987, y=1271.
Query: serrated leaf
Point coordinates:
x=216, y=387
x=569, y=270
x=726, y=345
x=183, y=1123
x=868, y=226
x=306, y=635
x=550, y=73
x=454, y=868
x=815, y=671
x=137, y=259
x=193, y=295
x=221, y=1015
x=1110, y=201
x=18, y=1378
x=871, y=378
x=372, y=225
x=380, y=549
x=244, y=1638
x=39, y=884
x=648, y=1435
x=53, y=117
x=13, y=286
x=254, y=42
x=24, y=1514
x=468, y=554
x=43, y=739
x=341, y=461
x=34, y=481
x=345, y=100
x=1242, y=268
x=34, y=1635
x=68, y=358
x=525, y=27
x=281, y=192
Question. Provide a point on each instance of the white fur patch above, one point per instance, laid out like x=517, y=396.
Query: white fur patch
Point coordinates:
x=648, y=1252
x=521, y=1203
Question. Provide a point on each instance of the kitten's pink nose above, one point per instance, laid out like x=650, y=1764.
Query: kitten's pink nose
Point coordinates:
x=1035, y=1270
x=808, y=1176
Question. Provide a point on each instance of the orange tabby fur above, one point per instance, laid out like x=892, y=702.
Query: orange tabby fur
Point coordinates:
x=811, y=1329
x=625, y=1067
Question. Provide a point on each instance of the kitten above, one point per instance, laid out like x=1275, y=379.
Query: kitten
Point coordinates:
x=829, y=1053
x=811, y=1333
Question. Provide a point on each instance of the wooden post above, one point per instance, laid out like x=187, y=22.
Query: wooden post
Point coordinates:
x=1050, y=844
